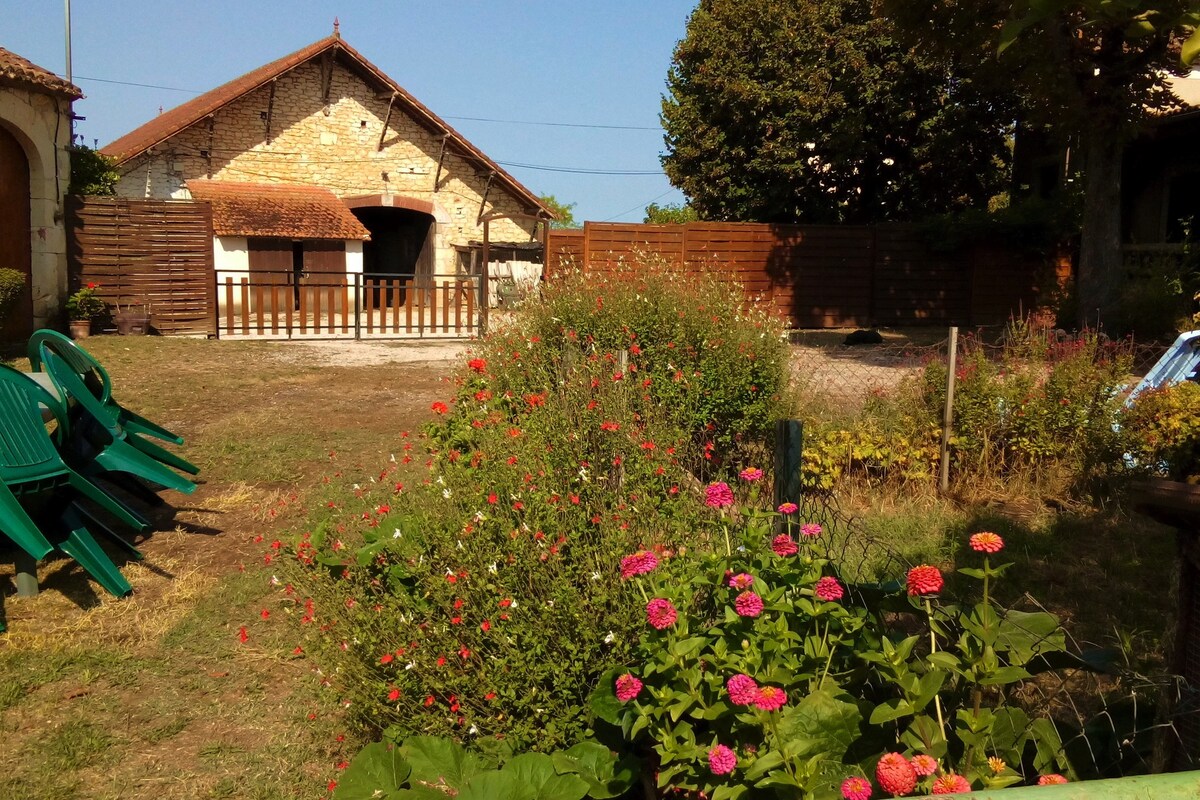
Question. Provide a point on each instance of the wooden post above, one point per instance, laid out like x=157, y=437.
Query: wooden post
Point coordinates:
x=789, y=450
x=948, y=413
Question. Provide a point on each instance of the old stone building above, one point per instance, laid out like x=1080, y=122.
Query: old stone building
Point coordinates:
x=35, y=133
x=265, y=147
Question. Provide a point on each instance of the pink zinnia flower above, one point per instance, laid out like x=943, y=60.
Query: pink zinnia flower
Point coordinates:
x=856, y=788
x=741, y=581
x=742, y=689
x=951, y=784
x=784, y=546
x=639, y=563
x=628, y=687
x=748, y=604
x=660, y=613
x=751, y=474
x=924, y=764
x=718, y=495
x=721, y=760
x=788, y=508
x=986, y=542
x=924, y=580
x=828, y=589
x=812, y=530
x=1051, y=779
x=895, y=775
x=770, y=698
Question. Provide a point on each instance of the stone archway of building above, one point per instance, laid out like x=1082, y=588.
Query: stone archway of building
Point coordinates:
x=402, y=245
x=15, y=250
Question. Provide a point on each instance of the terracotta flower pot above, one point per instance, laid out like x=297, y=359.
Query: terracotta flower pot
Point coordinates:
x=81, y=328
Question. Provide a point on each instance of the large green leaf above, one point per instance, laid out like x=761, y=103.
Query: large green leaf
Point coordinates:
x=1024, y=634
x=1191, y=49
x=495, y=785
x=376, y=772
x=539, y=780
x=604, y=702
x=605, y=775
x=439, y=761
x=819, y=725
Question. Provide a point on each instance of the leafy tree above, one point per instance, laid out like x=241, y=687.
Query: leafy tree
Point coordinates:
x=564, y=216
x=1092, y=70
x=814, y=111
x=92, y=172
x=670, y=214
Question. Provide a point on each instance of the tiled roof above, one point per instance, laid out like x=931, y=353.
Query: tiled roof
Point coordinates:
x=23, y=73
x=277, y=210
x=169, y=123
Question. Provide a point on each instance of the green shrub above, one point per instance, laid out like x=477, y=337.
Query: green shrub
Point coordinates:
x=1162, y=431
x=12, y=288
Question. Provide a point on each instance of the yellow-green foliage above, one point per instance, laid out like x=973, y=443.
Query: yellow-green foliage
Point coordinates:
x=1162, y=430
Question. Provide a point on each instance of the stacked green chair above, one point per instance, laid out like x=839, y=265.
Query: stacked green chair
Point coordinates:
x=32, y=470
x=97, y=443
x=96, y=379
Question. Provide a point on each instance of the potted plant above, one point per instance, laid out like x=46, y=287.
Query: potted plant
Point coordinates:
x=82, y=308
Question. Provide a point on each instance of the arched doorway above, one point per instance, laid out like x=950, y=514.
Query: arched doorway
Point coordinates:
x=15, y=232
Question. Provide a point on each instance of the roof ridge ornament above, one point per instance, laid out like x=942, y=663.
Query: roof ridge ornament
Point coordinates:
x=337, y=33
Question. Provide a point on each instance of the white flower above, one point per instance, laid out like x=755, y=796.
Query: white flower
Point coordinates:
x=392, y=458
x=479, y=517
x=396, y=534
x=460, y=545
x=492, y=568
x=610, y=638
x=446, y=493
x=409, y=665
x=595, y=576
x=440, y=481
x=356, y=487
x=473, y=730
x=274, y=581
x=514, y=604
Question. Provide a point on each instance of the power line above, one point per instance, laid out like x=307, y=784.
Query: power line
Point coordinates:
x=581, y=170
x=471, y=119
x=640, y=205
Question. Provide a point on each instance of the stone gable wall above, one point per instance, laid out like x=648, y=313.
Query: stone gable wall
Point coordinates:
x=334, y=146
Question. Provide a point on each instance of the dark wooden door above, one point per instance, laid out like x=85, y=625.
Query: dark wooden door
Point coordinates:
x=15, y=233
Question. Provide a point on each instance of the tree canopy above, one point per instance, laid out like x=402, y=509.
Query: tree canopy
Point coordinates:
x=670, y=214
x=564, y=213
x=816, y=111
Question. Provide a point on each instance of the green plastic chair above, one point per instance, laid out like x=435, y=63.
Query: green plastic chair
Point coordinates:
x=31, y=468
x=98, y=441
x=95, y=377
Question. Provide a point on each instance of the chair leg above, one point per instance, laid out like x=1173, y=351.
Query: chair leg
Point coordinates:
x=81, y=546
x=16, y=524
x=26, y=569
x=97, y=525
x=139, y=424
x=109, y=503
x=129, y=483
x=122, y=457
x=165, y=456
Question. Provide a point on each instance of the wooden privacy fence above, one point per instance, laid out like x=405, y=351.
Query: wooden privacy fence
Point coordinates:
x=829, y=276
x=284, y=304
x=153, y=253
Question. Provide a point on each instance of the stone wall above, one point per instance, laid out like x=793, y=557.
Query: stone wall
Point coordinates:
x=334, y=145
x=41, y=123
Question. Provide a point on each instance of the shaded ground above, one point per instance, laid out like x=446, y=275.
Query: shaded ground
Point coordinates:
x=155, y=695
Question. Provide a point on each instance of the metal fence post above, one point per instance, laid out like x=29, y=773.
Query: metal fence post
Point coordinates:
x=948, y=413
x=789, y=449
x=358, y=279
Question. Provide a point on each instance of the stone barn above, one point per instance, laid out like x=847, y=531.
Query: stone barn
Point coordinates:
x=321, y=161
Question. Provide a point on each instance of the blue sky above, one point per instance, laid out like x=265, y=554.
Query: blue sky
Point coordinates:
x=584, y=62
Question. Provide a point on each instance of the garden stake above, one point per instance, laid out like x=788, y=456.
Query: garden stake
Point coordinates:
x=937, y=698
x=948, y=414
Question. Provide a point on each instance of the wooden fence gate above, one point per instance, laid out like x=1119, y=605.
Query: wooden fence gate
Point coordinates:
x=282, y=304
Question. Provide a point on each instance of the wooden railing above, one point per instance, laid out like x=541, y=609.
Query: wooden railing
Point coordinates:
x=277, y=304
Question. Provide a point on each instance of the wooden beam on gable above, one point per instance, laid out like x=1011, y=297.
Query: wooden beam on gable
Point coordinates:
x=211, y=136
x=326, y=75
x=270, y=109
x=486, y=190
x=387, y=120
x=437, y=178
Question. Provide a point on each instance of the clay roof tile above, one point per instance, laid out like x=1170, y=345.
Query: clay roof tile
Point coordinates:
x=277, y=210
x=23, y=73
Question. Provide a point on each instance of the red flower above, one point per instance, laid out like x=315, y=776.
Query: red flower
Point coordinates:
x=492, y=499
x=951, y=784
x=660, y=613
x=386, y=658
x=784, y=546
x=748, y=604
x=439, y=407
x=986, y=542
x=856, y=788
x=394, y=695
x=924, y=580
x=485, y=626
x=243, y=637
x=477, y=364
x=627, y=687
x=428, y=700
x=490, y=696
x=743, y=690
x=895, y=775
x=1051, y=779
x=721, y=760
x=770, y=698
x=828, y=589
